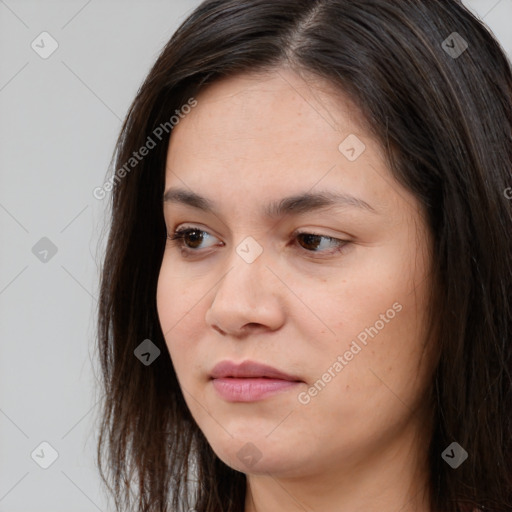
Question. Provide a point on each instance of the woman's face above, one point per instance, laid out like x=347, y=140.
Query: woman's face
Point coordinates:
x=330, y=291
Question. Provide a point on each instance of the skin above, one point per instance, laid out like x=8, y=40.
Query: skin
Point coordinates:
x=360, y=443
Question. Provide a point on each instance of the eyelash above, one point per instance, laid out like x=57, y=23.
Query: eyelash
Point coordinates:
x=177, y=240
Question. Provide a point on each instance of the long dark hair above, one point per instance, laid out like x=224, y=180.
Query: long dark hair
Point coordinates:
x=435, y=88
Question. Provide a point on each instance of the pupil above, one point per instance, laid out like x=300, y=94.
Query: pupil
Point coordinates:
x=197, y=235
x=311, y=240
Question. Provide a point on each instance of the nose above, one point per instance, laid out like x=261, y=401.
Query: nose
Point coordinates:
x=248, y=298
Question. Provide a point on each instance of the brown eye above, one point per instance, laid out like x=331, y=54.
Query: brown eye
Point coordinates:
x=189, y=238
x=193, y=238
x=312, y=242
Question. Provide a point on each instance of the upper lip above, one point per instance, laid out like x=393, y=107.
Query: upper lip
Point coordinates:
x=249, y=369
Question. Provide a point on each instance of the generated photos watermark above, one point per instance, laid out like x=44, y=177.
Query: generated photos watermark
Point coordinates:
x=355, y=348
x=137, y=156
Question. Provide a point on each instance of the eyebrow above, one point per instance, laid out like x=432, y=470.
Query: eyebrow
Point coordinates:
x=291, y=205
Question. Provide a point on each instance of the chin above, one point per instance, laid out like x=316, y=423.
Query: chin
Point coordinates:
x=260, y=456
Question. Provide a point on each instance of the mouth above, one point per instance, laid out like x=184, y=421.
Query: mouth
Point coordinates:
x=250, y=381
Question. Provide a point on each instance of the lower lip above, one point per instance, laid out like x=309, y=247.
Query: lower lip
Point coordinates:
x=250, y=390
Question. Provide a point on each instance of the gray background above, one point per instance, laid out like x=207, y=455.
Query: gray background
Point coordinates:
x=59, y=119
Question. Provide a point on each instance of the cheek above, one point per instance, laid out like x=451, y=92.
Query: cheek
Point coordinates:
x=371, y=378
x=166, y=303
x=176, y=297
x=178, y=307
x=370, y=292
x=378, y=312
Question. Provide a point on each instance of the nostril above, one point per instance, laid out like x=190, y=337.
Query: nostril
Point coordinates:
x=218, y=329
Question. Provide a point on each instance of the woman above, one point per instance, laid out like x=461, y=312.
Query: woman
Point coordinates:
x=305, y=301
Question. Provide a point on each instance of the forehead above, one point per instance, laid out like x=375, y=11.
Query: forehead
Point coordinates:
x=257, y=106
x=268, y=136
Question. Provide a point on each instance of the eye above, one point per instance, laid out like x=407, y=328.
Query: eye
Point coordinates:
x=189, y=240
x=312, y=242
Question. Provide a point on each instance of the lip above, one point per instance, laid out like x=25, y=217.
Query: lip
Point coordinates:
x=249, y=369
x=250, y=381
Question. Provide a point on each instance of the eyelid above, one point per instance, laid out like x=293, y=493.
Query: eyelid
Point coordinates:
x=178, y=236
x=298, y=231
x=194, y=227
